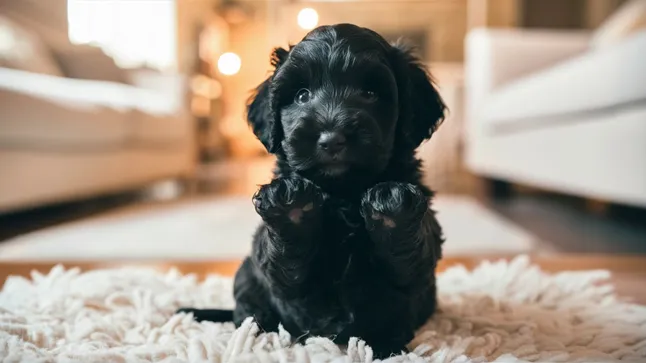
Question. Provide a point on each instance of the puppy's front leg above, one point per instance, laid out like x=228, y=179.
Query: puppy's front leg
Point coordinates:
x=286, y=244
x=406, y=236
x=406, y=241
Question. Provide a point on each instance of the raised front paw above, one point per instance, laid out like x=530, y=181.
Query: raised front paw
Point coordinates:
x=394, y=205
x=288, y=200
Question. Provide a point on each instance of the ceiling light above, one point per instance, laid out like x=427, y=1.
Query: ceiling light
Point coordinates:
x=307, y=18
x=229, y=64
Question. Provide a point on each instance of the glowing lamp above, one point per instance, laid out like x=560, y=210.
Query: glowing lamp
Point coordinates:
x=229, y=64
x=307, y=18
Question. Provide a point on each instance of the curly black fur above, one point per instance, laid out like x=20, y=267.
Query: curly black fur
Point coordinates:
x=349, y=244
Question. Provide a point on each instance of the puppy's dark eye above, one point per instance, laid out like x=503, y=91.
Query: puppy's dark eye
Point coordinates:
x=303, y=96
x=369, y=95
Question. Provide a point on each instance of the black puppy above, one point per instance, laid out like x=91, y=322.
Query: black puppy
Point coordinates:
x=348, y=245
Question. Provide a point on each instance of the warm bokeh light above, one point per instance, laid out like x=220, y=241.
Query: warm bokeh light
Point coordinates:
x=308, y=18
x=229, y=64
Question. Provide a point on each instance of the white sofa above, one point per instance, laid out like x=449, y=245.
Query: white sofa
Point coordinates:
x=63, y=139
x=558, y=110
x=73, y=125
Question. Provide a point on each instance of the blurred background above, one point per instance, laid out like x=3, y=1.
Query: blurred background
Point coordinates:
x=123, y=132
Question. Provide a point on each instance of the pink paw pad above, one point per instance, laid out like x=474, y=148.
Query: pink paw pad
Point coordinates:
x=296, y=214
x=388, y=222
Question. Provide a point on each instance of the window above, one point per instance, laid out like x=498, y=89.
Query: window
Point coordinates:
x=134, y=32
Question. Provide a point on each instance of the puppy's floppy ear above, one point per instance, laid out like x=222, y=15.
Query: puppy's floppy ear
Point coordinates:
x=422, y=109
x=262, y=117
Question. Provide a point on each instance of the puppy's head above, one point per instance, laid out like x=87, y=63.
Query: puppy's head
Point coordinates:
x=344, y=101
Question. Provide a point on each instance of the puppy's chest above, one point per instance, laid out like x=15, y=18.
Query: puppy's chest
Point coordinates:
x=343, y=223
x=346, y=243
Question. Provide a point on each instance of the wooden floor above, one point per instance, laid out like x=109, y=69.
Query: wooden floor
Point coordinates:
x=569, y=226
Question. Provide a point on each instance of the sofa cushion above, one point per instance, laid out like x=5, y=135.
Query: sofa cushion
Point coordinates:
x=32, y=122
x=84, y=92
x=608, y=78
x=46, y=112
x=21, y=49
x=160, y=130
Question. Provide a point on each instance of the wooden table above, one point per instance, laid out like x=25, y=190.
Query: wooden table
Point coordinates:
x=629, y=271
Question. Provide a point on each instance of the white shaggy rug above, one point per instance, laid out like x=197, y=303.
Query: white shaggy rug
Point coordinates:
x=500, y=312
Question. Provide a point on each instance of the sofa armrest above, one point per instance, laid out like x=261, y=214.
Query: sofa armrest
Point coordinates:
x=495, y=57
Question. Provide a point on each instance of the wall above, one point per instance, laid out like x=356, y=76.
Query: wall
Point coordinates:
x=251, y=41
x=493, y=13
x=554, y=14
x=598, y=10
x=540, y=13
x=570, y=14
x=190, y=14
x=444, y=22
x=504, y=13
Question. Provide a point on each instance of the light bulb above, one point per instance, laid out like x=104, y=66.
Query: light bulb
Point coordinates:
x=307, y=18
x=229, y=64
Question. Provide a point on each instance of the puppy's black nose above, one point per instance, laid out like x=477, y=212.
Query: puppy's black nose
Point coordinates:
x=332, y=142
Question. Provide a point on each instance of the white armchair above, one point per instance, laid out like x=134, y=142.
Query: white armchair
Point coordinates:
x=496, y=57
x=551, y=109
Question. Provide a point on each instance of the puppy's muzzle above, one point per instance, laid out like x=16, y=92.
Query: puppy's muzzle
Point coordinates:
x=332, y=143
